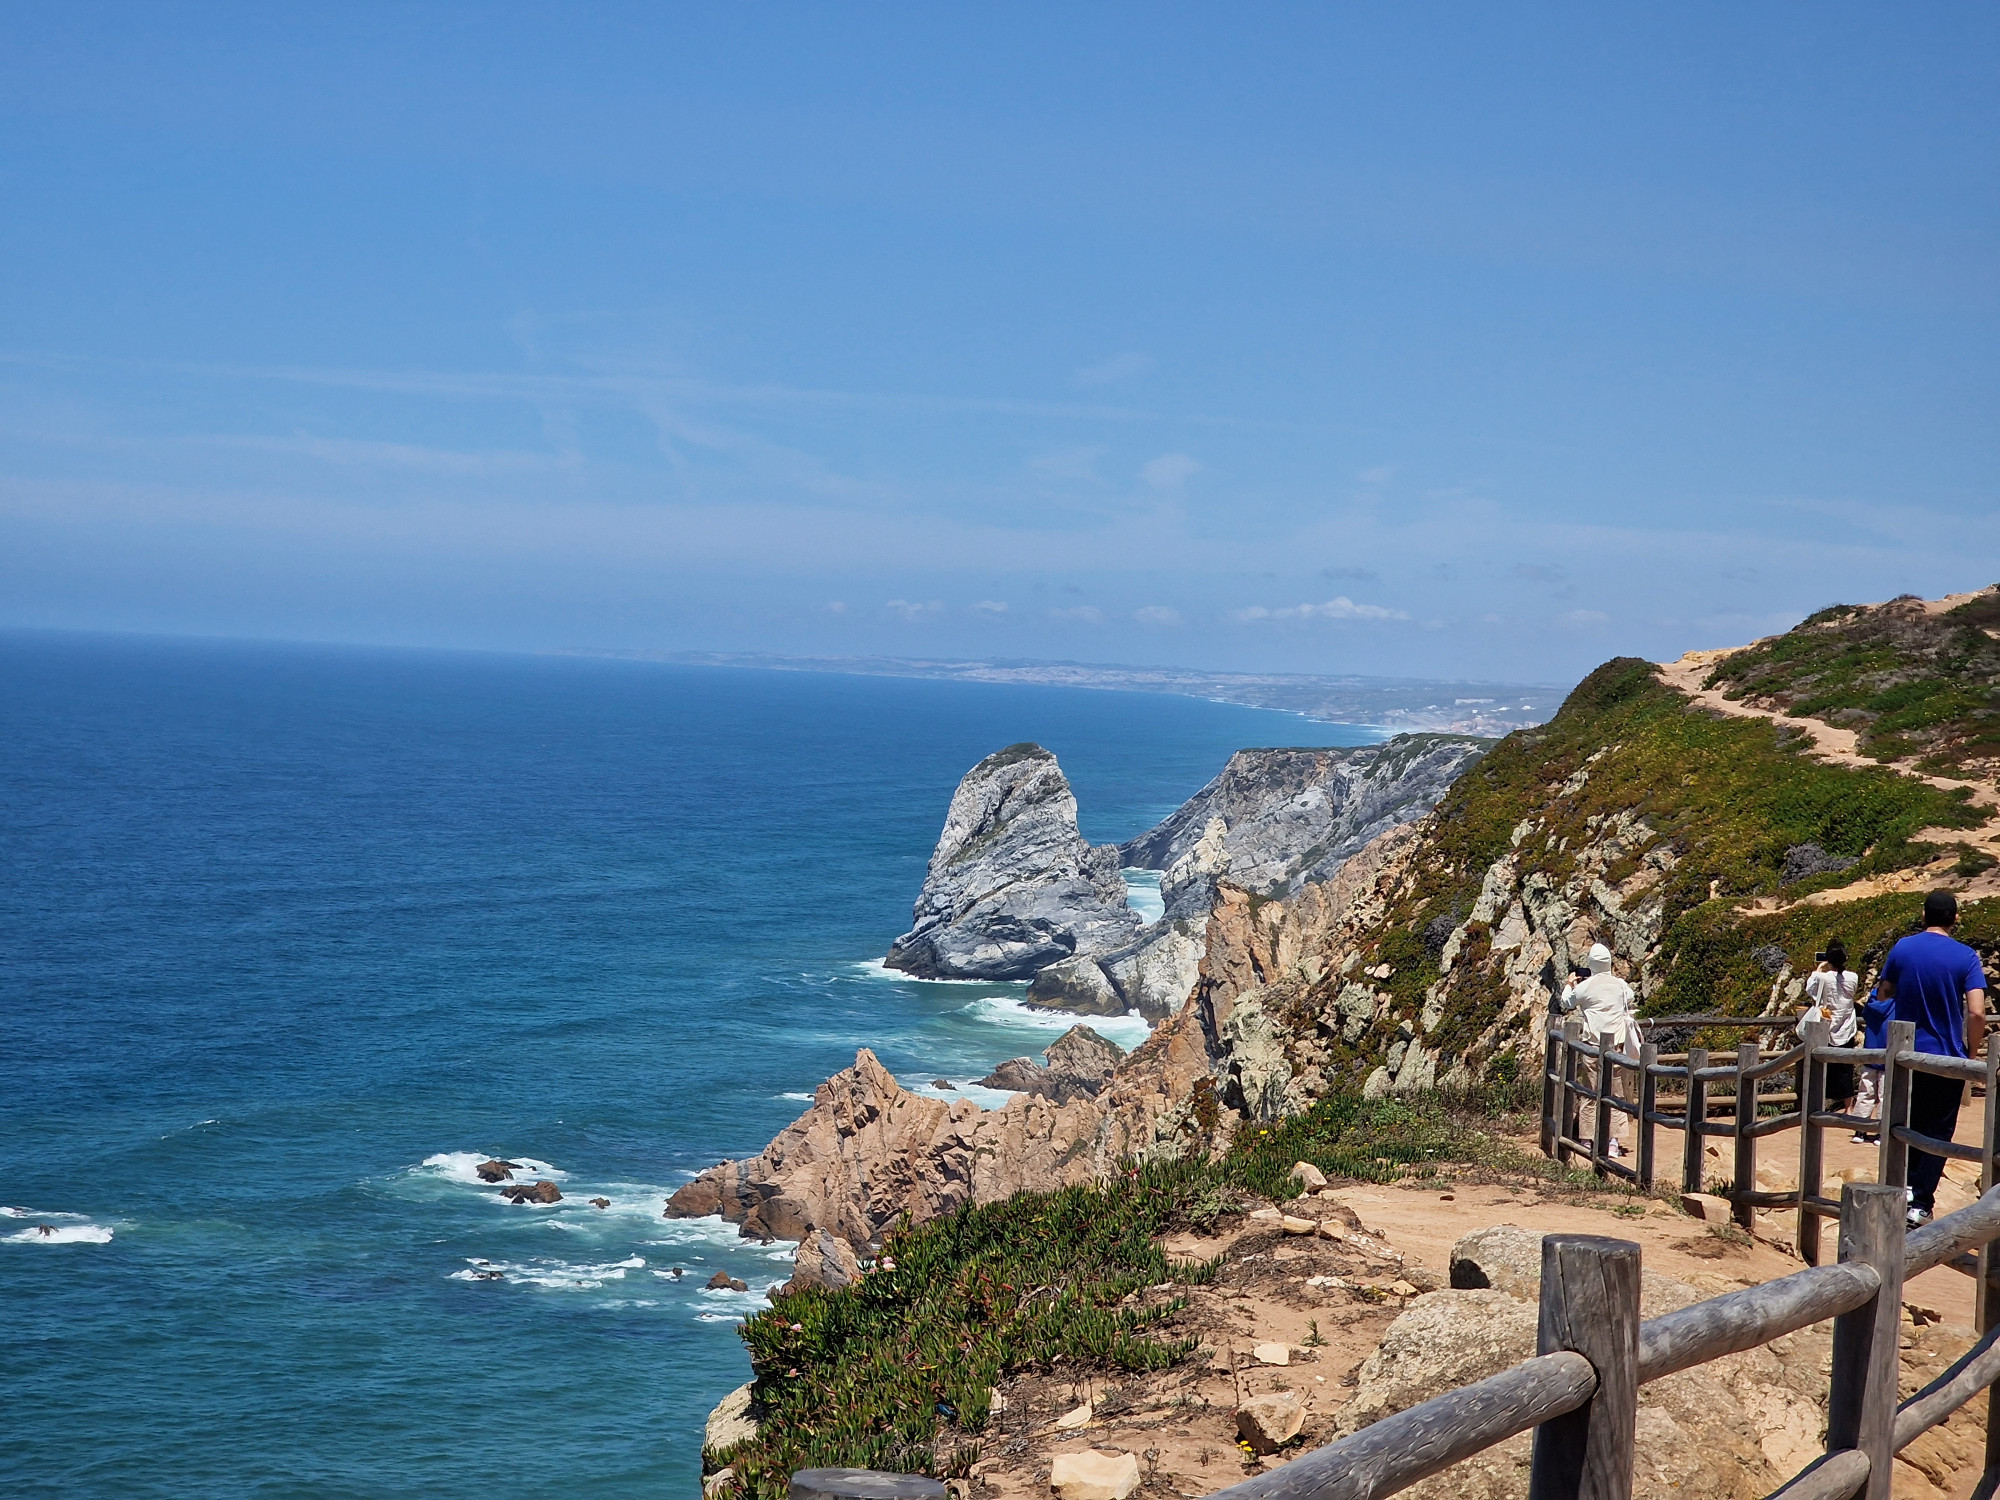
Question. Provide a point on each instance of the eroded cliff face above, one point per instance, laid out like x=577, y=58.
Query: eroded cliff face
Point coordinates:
x=1012, y=885
x=1274, y=822
x=869, y=1150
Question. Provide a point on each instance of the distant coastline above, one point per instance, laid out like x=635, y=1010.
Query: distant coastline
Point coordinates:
x=1398, y=704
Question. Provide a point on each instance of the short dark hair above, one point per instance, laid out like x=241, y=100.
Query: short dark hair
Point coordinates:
x=1940, y=909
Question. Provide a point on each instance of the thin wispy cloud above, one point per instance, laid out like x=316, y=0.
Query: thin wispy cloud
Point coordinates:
x=1340, y=608
x=912, y=611
x=1169, y=471
x=1157, y=616
x=991, y=609
x=1078, y=614
x=1110, y=371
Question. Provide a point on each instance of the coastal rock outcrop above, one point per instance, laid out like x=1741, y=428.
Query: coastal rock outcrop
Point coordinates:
x=1012, y=885
x=1275, y=820
x=869, y=1150
x=824, y=1259
x=1079, y=1066
x=1273, y=824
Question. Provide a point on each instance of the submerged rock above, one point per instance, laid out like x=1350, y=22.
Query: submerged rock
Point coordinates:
x=1013, y=886
x=539, y=1192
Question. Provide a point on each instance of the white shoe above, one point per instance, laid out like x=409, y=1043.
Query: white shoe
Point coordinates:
x=1616, y=1149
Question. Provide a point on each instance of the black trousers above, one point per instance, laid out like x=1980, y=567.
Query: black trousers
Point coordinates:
x=1933, y=1112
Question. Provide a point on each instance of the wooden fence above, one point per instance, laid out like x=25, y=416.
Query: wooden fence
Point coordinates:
x=1579, y=1393
x=1731, y=1101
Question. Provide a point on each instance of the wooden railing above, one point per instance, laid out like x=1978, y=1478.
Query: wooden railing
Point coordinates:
x=1686, y=1092
x=1580, y=1392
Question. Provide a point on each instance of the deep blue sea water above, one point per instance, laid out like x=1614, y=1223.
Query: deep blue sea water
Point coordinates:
x=291, y=936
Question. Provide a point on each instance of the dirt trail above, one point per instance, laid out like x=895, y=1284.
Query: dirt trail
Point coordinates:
x=1840, y=746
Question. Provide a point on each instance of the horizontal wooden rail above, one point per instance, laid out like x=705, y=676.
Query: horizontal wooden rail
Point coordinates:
x=1962, y=1068
x=1935, y=1146
x=1970, y=1375
x=1397, y=1451
x=1834, y=1477
x=1945, y=1239
x=1737, y=1321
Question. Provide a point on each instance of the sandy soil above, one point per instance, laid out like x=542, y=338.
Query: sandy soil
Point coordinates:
x=1180, y=1423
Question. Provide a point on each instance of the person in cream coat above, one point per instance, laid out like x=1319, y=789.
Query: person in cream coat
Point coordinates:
x=1606, y=1006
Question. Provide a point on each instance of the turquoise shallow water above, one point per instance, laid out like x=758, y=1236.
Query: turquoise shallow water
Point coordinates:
x=291, y=936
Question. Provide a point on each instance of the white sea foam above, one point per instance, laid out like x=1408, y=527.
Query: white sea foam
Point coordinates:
x=807, y=1098
x=462, y=1166
x=979, y=1094
x=59, y=1234
x=711, y=1232
x=554, y=1275
x=875, y=968
x=1128, y=1030
x=1142, y=894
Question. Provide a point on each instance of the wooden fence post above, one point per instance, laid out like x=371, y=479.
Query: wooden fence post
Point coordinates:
x=1694, y=1145
x=1590, y=1303
x=1861, y=1407
x=1812, y=1140
x=1743, y=1172
x=1552, y=1054
x=1649, y=1057
x=1894, y=1170
x=1987, y=1293
x=1607, y=1082
x=1572, y=1034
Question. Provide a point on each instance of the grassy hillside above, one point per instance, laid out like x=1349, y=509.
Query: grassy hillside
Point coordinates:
x=1729, y=798
x=897, y=1372
x=1913, y=685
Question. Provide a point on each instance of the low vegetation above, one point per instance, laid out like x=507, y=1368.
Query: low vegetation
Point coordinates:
x=1913, y=685
x=898, y=1372
x=1730, y=798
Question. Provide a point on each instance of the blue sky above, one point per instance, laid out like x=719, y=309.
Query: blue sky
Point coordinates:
x=1447, y=340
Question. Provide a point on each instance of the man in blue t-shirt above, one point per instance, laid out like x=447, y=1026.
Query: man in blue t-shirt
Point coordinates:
x=1934, y=981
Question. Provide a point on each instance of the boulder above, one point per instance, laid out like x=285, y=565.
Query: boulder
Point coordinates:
x=1012, y=885
x=733, y=1421
x=496, y=1170
x=1309, y=1178
x=1733, y=1429
x=1267, y=1423
x=600, y=1203
x=1505, y=1258
x=720, y=1483
x=722, y=1281
x=1076, y=985
x=1079, y=1066
x=539, y=1192
x=824, y=1259
x=1272, y=1354
x=1091, y=1475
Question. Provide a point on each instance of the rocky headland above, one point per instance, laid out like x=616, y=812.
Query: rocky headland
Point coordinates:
x=1012, y=885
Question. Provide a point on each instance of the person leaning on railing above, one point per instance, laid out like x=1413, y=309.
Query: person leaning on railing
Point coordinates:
x=1935, y=982
x=1606, y=1006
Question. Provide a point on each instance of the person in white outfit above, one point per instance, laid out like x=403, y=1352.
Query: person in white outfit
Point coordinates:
x=1830, y=992
x=1607, y=1007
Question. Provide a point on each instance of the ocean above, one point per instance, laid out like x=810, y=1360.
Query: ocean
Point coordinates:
x=291, y=937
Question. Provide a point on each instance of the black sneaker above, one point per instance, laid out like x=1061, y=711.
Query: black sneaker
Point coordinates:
x=1917, y=1218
